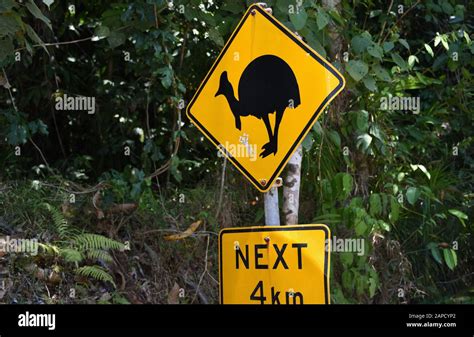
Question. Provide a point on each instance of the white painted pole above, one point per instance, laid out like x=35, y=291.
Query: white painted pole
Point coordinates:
x=272, y=214
x=270, y=198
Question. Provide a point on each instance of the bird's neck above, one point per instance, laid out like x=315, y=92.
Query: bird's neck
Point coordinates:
x=234, y=104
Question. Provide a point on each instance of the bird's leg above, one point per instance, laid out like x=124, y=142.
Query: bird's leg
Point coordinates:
x=266, y=120
x=268, y=147
x=279, y=115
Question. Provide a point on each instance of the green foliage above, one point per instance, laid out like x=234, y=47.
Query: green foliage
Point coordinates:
x=95, y=272
x=94, y=242
x=79, y=248
x=399, y=179
x=60, y=224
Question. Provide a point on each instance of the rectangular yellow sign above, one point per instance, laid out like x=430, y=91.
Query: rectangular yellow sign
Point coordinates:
x=274, y=265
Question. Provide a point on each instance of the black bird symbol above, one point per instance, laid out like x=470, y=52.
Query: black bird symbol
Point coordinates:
x=267, y=85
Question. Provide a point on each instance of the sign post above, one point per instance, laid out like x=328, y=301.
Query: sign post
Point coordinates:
x=256, y=105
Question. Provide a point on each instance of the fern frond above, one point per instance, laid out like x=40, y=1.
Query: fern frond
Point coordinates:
x=49, y=248
x=96, y=273
x=89, y=241
x=71, y=255
x=98, y=254
x=60, y=223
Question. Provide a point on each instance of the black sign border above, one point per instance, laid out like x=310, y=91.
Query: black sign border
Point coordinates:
x=333, y=93
x=324, y=228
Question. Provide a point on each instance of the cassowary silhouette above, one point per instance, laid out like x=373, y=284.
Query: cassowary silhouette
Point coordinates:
x=267, y=85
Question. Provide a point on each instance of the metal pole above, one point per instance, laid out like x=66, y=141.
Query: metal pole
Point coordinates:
x=272, y=213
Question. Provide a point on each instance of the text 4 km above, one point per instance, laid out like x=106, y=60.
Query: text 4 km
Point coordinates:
x=288, y=297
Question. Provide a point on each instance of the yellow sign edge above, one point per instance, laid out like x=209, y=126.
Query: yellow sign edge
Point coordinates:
x=327, y=256
x=284, y=162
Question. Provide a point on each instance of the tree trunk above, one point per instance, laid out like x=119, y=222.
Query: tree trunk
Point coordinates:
x=336, y=39
x=291, y=188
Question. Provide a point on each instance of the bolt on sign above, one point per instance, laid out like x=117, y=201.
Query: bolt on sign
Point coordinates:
x=262, y=96
x=274, y=265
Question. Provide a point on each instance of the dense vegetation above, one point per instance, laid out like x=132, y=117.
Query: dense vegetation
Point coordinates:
x=101, y=191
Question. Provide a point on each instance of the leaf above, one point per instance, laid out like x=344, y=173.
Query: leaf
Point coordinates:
x=387, y=46
x=450, y=257
x=375, y=204
x=429, y=50
x=166, y=79
x=37, y=13
x=102, y=32
x=88, y=241
x=173, y=295
x=425, y=171
x=96, y=272
x=33, y=36
x=116, y=39
x=335, y=138
x=375, y=51
x=422, y=168
x=347, y=258
x=347, y=184
x=347, y=280
x=38, y=126
x=460, y=215
x=282, y=5
x=71, y=255
x=363, y=141
x=48, y=3
x=299, y=18
x=7, y=5
x=411, y=60
x=433, y=247
x=308, y=142
x=17, y=134
x=372, y=287
x=188, y=232
x=362, y=120
x=412, y=195
x=8, y=25
x=369, y=83
x=360, y=227
x=443, y=39
x=404, y=43
x=383, y=225
x=399, y=61
x=357, y=69
x=322, y=20
x=359, y=43
x=381, y=73
x=216, y=37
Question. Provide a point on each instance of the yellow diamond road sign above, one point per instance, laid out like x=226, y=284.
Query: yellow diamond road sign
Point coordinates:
x=262, y=96
x=274, y=265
